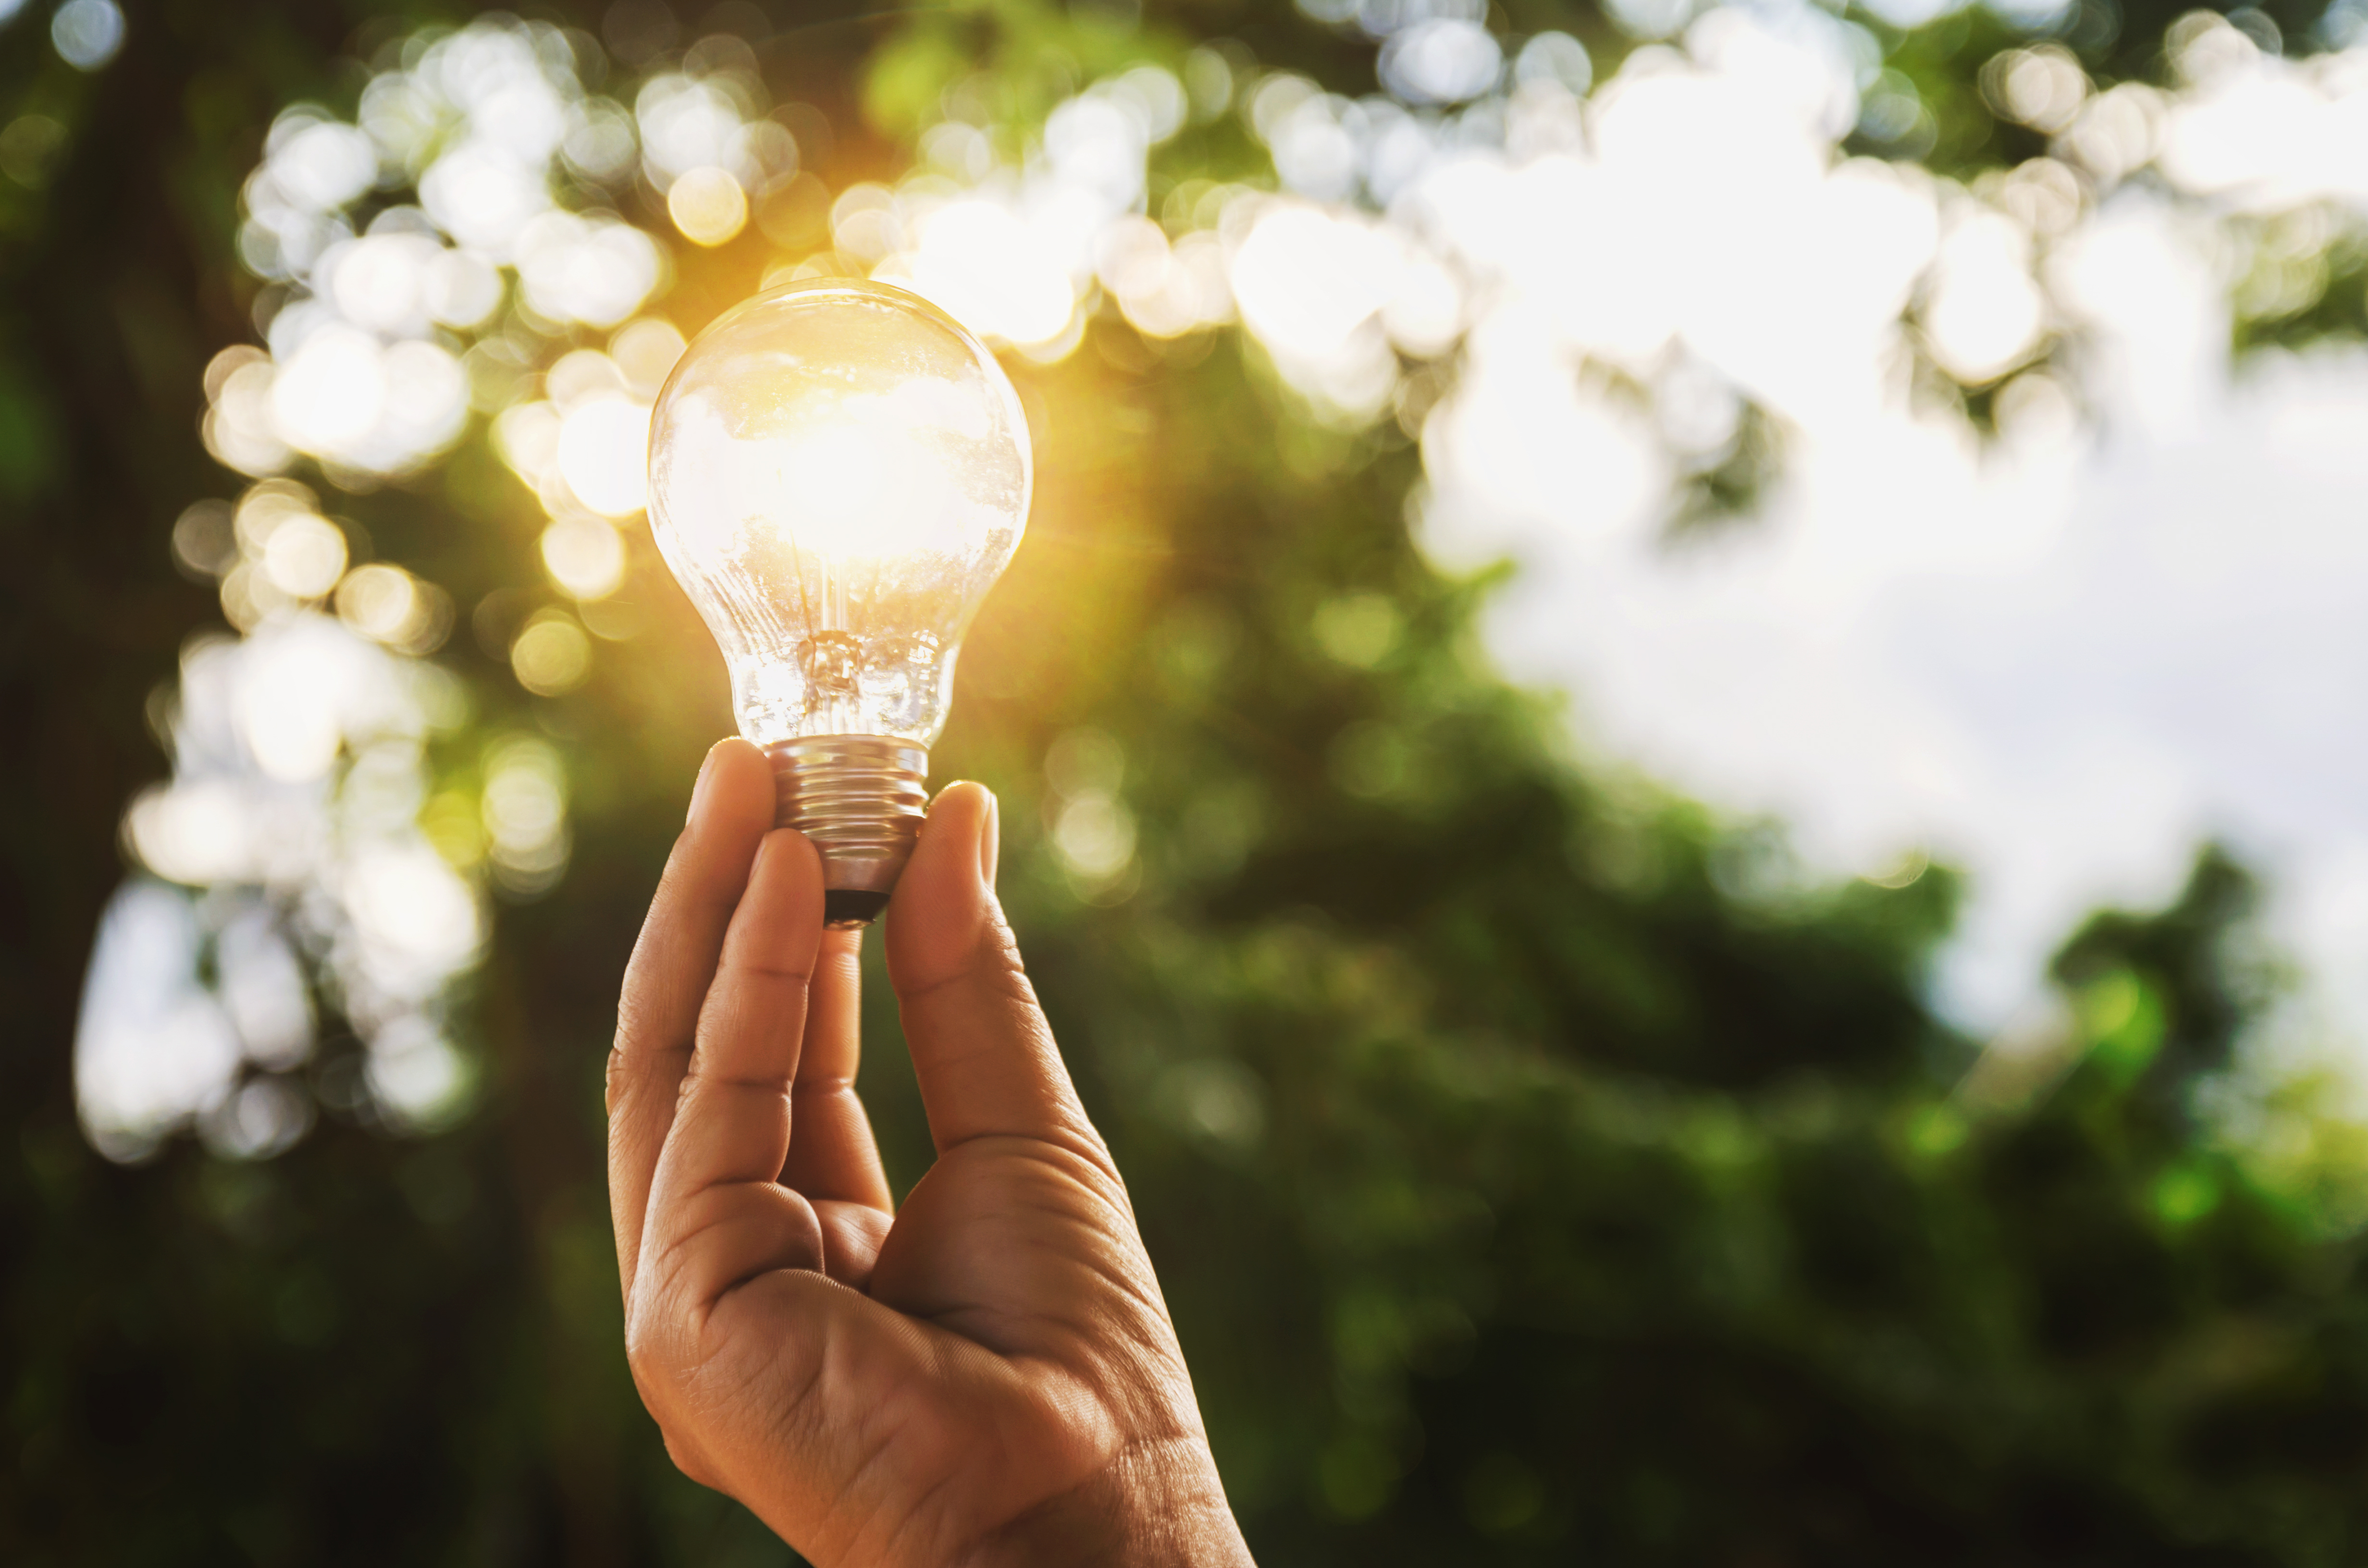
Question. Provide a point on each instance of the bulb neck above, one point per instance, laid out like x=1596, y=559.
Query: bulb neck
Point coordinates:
x=860, y=800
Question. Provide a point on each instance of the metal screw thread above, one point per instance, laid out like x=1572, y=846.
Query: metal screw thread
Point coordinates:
x=860, y=799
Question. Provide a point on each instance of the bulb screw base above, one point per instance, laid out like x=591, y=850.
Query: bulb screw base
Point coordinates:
x=860, y=799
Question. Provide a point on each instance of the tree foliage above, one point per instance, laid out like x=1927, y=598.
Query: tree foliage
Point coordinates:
x=1537, y=1167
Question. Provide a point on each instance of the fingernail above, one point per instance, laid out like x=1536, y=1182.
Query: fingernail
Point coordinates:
x=699, y=790
x=990, y=838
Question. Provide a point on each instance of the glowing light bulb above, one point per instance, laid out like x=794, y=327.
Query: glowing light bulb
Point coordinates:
x=838, y=473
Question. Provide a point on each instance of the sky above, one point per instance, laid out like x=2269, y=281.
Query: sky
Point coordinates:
x=2061, y=660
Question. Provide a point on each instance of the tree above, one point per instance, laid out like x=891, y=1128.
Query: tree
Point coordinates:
x=1534, y=1164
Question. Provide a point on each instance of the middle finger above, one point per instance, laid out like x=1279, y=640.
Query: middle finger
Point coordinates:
x=833, y=1155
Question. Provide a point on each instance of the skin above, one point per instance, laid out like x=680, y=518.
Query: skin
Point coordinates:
x=987, y=1375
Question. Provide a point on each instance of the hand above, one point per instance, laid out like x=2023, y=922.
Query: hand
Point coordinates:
x=989, y=1375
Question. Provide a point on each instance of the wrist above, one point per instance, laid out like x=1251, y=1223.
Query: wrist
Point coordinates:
x=1156, y=1505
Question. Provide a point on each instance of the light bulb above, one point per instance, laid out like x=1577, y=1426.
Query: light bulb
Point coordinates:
x=838, y=473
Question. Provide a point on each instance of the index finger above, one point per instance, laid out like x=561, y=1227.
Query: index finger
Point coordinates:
x=717, y=1216
x=667, y=983
x=833, y=1156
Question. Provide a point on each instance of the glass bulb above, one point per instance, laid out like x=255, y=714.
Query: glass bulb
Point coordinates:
x=838, y=473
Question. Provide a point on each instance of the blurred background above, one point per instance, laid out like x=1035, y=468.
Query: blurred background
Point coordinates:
x=1682, y=728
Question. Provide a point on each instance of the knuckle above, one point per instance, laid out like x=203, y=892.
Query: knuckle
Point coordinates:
x=614, y=1079
x=642, y=1351
x=654, y=1337
x=1080, y=1154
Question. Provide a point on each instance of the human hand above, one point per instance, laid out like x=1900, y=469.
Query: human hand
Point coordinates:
x=987, y=1375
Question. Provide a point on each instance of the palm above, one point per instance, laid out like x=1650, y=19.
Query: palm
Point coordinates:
x=988, y=1373
x=1006, y=1243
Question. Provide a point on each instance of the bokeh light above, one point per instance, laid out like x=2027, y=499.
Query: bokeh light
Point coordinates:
x=87, y=33
x=551, y=656
x=1525, y=264
x=707, y=205
x=584, y=556
x=361, y=371
x=293, y=810
x=526, y=786
x=31, y=145
x=1093, y=831
x=389, y=605
x=602, y=443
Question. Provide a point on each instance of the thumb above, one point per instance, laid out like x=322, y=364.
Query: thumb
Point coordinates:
x=981, y=1047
